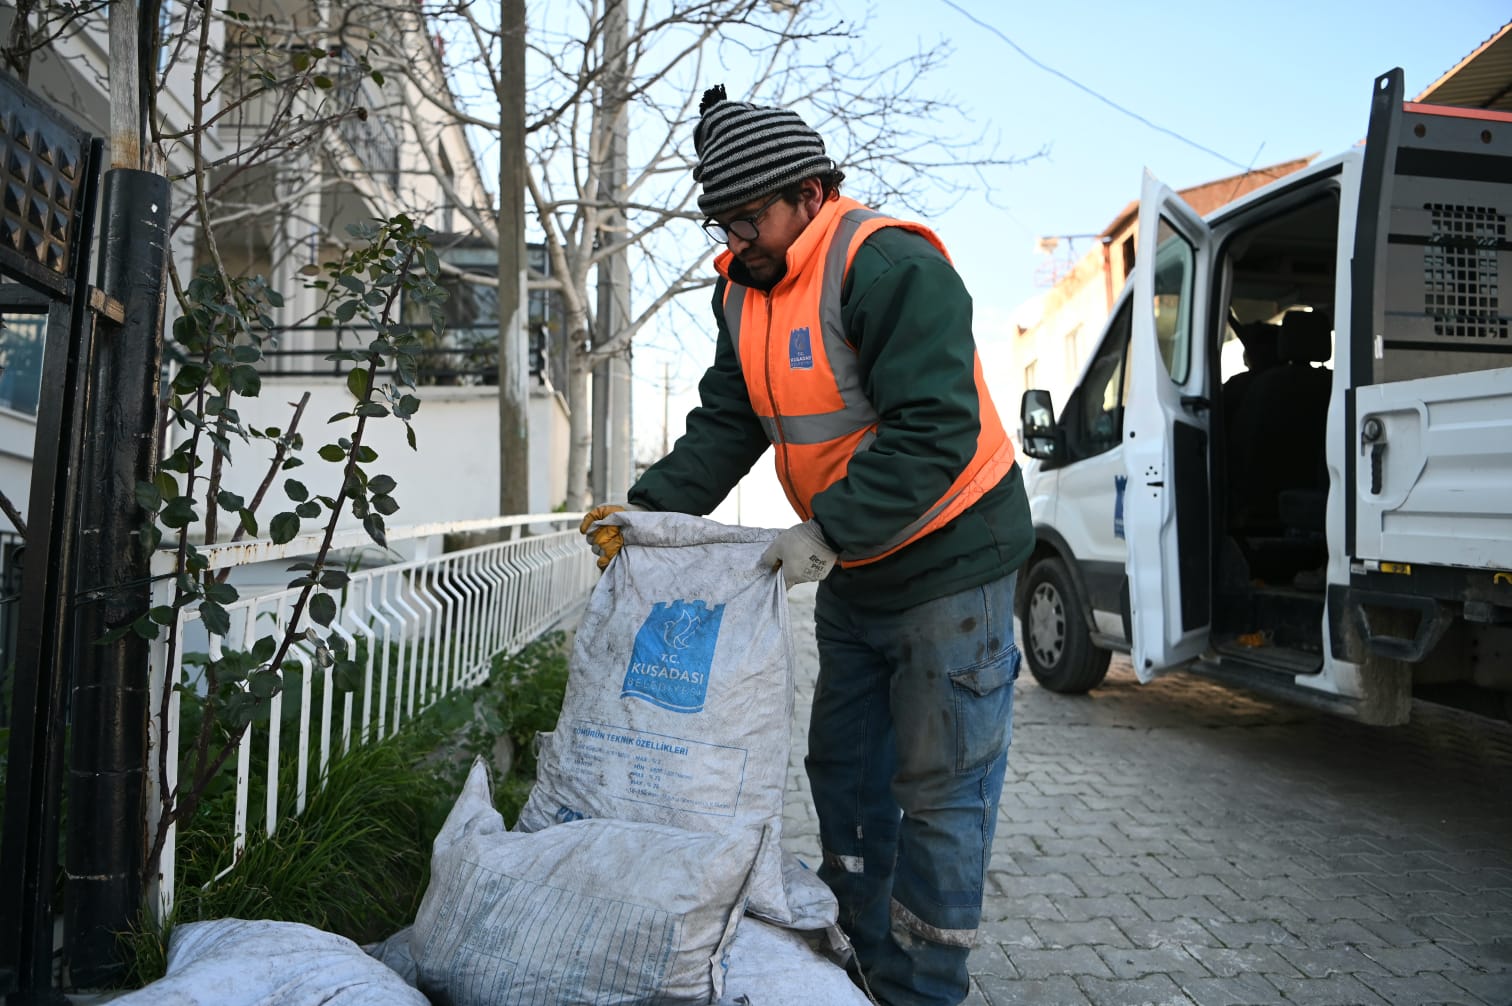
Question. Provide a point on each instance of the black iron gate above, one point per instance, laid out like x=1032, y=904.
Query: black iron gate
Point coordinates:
x=74, y=695
x=49, y=171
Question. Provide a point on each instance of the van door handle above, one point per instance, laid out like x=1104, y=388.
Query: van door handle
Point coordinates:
x=1195, y=403
x=1374, y=433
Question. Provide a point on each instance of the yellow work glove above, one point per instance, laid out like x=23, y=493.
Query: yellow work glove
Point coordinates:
x=801, y=553
x=605, y=541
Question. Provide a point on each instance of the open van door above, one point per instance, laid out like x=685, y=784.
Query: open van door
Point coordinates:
x=1167, y=501
x=1429, y=468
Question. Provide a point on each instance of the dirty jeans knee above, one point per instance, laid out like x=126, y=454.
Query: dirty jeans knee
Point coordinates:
x=920, y=969
x=859, y=849
x=949, y=668
x=936, y=906
x=850, y=767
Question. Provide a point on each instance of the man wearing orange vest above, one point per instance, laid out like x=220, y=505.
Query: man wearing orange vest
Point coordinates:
x=845, y=342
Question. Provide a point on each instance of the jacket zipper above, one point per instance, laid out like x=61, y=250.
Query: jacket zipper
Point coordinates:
x=784, y=466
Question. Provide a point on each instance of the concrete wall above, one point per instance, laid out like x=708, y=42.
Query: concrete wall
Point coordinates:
x=550, y=439
x=452, y=475
x=1057, y=345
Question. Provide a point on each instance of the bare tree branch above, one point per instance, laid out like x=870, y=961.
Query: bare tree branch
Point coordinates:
x=903, y=144
x=15, y=515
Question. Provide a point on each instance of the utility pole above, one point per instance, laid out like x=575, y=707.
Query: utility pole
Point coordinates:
x=611, y=378
x=107, y=765
x=666, y=403
x=514, y=349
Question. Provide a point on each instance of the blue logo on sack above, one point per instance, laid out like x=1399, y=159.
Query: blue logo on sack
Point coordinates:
x=800, y=353
x=674, y=651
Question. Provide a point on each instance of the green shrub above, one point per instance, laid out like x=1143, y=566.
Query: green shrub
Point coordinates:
x=357, y=860
x=523, y=697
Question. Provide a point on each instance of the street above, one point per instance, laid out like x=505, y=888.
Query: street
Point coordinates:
x=1185, y=842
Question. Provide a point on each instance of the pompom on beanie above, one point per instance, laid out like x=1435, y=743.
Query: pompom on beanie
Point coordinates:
x=745, y=151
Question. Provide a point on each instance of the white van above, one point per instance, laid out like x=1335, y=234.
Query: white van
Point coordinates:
x=1335, y=524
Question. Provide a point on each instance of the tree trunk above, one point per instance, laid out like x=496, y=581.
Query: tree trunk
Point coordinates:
x=580, y=405
x=18, y=51
x=613, y=453
x=514, y=352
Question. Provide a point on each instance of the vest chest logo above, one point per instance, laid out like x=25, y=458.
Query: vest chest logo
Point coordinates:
x=800, y=353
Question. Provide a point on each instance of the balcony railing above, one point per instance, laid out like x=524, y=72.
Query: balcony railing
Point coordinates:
x=458, y=356
x=461, y=356
x=367, y=127
x=420, y=630
x=372, y=137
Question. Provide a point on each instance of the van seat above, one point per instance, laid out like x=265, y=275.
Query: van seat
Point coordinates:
x=1278, y=443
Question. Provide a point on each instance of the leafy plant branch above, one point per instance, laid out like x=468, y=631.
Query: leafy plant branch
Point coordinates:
x=387, y=278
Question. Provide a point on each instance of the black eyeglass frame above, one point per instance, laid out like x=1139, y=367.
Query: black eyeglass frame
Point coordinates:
x=720, y=233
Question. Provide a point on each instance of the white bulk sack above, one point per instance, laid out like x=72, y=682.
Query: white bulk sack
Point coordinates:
x=771, y=966
x=679, y=697
x=597, y=912
x=236, y=962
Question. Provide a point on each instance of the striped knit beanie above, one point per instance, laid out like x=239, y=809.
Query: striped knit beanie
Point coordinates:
x=745, y=151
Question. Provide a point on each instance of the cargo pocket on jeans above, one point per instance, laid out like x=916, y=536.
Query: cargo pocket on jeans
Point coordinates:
x=983, y=696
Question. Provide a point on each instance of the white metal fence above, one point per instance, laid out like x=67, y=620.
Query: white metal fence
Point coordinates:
x=419, y=629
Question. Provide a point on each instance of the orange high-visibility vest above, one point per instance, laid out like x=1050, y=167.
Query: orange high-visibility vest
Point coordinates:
x=804, y=378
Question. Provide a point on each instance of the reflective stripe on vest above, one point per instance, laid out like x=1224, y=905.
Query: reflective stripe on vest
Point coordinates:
x=968, y=487
x=852, y=426
x=856, y=412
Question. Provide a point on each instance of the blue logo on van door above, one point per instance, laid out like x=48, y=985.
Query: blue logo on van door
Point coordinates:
x=673, y=654
x=800, y=353
x=1119, y=482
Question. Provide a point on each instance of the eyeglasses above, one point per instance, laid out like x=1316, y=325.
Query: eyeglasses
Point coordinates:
x=743, y=228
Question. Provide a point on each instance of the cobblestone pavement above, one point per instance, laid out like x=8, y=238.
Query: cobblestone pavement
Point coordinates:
x=1184, y=842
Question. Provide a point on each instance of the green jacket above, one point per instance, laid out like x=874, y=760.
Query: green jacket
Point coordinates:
x=908, y=315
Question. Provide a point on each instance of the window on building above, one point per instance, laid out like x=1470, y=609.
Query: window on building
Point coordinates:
x=1030, y=375
x=22, y=337
x=1073, y=352
x=165, y=29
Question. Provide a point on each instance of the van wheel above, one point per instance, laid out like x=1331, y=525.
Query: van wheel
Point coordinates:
x=1057, y=648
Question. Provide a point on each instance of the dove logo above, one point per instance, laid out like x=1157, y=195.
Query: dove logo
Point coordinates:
x=673, y=654
x=678, y=633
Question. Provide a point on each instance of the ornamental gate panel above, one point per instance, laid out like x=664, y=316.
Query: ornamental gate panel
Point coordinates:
x=49, y=179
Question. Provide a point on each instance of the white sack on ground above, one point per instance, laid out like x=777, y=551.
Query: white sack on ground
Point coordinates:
x=235, y=962
x=679, y=698
x=811, y=902
x=593, y=911
x=772, y=966
x=396, y=953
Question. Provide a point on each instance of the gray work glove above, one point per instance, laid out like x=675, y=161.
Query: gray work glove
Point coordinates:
x=801, y=553
x=606, y=541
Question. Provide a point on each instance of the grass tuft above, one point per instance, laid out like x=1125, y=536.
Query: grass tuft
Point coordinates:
x=357, y=861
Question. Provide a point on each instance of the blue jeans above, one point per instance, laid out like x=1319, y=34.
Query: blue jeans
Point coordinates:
x=908, y=744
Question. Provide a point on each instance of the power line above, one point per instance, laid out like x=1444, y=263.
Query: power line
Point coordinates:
x=1083, y=87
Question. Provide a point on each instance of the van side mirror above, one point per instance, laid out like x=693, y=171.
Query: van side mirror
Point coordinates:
x=1037, y=430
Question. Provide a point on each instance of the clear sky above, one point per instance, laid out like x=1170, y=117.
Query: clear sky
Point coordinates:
x=1253, y=83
